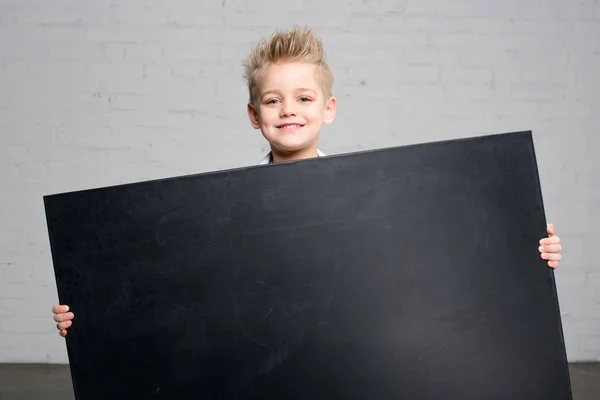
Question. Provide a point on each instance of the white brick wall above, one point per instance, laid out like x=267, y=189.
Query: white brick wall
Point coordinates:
x=104, y=92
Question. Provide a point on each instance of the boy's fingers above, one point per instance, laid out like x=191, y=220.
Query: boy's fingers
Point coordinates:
x=550, y=248
x=63, y=317
x=58, y=309
x=63, y=333
x=63, y=325
x=551, y=256
x=553, y=264
x=550, y=229
x=550, y=240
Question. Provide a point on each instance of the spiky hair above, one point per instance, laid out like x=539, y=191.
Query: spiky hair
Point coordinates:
x=296, y=45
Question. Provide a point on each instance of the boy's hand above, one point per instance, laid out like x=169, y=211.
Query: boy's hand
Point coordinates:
x=550, y=248
x=63, y=318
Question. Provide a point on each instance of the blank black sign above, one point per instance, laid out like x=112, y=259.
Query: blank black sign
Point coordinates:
x=401, y=273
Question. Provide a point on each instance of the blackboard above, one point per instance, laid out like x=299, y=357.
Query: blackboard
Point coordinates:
x=401, y=273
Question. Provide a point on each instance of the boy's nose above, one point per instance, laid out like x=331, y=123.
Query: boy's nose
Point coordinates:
x=287, y=110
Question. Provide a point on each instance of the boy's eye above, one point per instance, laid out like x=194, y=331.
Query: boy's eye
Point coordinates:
x=272, y=101
x=305, y=99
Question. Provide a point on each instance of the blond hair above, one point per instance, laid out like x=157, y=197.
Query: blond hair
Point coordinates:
x=297, y=45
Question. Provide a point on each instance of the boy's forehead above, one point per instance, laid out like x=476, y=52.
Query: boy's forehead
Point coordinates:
x=286, y=75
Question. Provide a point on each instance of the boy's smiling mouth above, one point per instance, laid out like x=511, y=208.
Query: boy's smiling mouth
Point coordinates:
x=289, y=126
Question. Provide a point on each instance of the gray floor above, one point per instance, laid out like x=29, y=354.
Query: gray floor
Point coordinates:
x=53, y=382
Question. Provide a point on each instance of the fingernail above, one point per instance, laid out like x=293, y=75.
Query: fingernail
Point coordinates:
x=541, y=248
x=66, y=308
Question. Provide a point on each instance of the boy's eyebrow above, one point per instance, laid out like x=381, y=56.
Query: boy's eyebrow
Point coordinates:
x=266, y=92
x=275, y=91
x=307, y=90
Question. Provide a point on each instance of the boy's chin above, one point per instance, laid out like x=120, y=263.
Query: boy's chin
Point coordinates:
x=293, y=147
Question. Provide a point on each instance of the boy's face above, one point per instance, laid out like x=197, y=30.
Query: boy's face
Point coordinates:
x=291, y=107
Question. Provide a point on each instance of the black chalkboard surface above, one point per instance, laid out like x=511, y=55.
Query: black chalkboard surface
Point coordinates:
x=400, y=273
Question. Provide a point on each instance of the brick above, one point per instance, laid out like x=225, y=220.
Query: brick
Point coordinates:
x=197, y=52
x=436, y=25
x=366, y=54
x=388, y=40
x=538, y=92
x=373, y=21
x=550, y=74
x=35, y=308
x=140, y=13
x=13, y=272
x=51, y=33
x=593, y=283
x=156, y=72
x=47, y=15
x=148, y=34
x=416, y=8
x=564, y=11
x=567, y=110
x=75, y=51
x=542, y=30
x=200, y=13
x=17, y=324
x=583, y=327
x=431, y=55
x=579, y=303
x=584, y=60
x=149, y=53
x=125, y=102
x=63, y=76
x=250, y=17
x=587, y=77
x=506, y=9
x=39, y=348
x=16, y=52
x=589, y=344
x=422, y=55
x=475, y=92
x=33, y=289
x=465, y=40
x=413, y=74
x=483, y=55
x=323, y=21
x=190, y=71
x=467, y=75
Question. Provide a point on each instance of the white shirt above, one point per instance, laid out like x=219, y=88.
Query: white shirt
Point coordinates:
x=267, y=158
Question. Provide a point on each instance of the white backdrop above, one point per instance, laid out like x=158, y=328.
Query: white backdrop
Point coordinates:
x=106, y=92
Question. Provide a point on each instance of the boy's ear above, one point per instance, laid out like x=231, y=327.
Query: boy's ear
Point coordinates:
x=330, y=108
x=253, y=115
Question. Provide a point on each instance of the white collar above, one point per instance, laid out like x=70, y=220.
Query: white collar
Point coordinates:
x=267, y=158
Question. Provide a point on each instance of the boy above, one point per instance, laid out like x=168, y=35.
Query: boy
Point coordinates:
x=290, y=87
